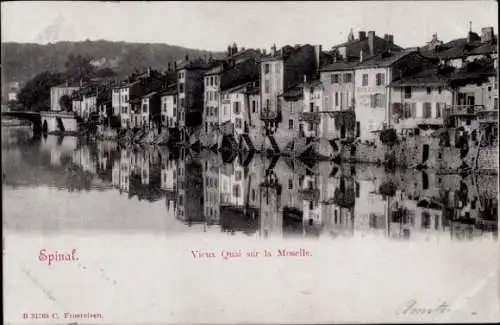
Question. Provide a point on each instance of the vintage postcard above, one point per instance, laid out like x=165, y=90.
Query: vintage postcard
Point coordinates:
x=250, y=162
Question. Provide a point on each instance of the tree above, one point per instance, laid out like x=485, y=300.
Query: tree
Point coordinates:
x=105, y=73
x=66, y=103
x=35, y=95
x=78, y=68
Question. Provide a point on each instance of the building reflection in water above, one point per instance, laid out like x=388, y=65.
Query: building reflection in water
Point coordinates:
x=278, y=197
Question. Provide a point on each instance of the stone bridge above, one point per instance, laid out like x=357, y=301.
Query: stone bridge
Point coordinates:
x=47, y=121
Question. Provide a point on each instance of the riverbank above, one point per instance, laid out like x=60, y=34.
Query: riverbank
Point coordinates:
x=416, y=152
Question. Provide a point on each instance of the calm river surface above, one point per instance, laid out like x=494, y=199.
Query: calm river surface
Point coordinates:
x=58, y=184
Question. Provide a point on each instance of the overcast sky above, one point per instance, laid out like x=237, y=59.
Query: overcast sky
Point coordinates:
x=213, y=25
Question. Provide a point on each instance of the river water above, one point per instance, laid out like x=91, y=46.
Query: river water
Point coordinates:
x=379, y=228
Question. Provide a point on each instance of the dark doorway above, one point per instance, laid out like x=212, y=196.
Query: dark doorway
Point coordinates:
x=425, y=181
x=353, y=151
x=425, y=153
x=45, y=127
x=342, y=131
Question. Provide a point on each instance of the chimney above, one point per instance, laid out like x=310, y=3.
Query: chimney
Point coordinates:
x=149, y=72
x=273, y=50
x=362, y=36
x=229, y=50
x=361, y=56
x=187, y=58
x=168, y=67
x=386, y=37
x=175, y=65
x=317, y=52
x=487, y=34
x=391, y=39
x=264, y=52
x=371, y=42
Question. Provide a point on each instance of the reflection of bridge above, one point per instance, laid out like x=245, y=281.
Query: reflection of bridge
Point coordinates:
x=47, y=121
x=33, y=117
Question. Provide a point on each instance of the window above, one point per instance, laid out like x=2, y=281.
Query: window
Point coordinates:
x=216, y=111
x=144, y=108
x=428, y=90
x=365, y=80
x=310, y=126
x=236, y=107
x=407, y=92
x=175, y=100
x=380, y=79
x=266, y=68
x=211, y=81
x=347, y=78
x=277, y=67
x=495, y=103
x=335, y=78
x=254, y=106
x=181, y=87
x=266, y=87
x=182, y=102
x=376, y=101
x=290, y=124
x=311, y=107
x=337, y=99
x=290, y=184
x=439, y=90
x=413, y=110
x=175, y=111
x=236, y=191
x=427, y=110
x=237, y=175
x=268, y=103
x=238, y=123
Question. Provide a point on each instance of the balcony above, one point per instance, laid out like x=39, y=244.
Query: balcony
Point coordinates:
x=309, y=194
x=310, y=117
x=487, y=116
x=463, y=110
x=419, y=121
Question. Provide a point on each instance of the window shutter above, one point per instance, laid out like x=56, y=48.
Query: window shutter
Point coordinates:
x=372, y=101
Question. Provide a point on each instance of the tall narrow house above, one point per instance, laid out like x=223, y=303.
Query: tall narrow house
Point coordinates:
x=281, y=71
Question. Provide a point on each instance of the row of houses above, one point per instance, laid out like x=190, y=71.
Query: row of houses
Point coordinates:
x=354, y=90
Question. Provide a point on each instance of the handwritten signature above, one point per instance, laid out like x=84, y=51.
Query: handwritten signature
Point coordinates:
x=412, y=308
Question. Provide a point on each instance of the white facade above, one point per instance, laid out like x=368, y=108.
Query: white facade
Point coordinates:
x=313, y=103
x=212, y=102
x=169, y=110
x=272, y=75
x=235, y=110
x=372, y=100
x=413, y=106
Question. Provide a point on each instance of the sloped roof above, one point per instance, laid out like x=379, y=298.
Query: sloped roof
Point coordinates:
x=384, y=59
x=294, y=92
x=427, y=77
x=171, y=90
x=339, y=66
x=356, y=46
x=241, y=73
x=443, y=76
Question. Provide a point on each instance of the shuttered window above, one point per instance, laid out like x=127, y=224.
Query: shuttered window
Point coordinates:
x=427, y=110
